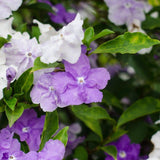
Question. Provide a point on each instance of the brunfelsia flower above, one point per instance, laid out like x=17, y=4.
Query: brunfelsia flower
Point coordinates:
x=21, y=52
x=125, y=11
x=53, y=149
x=61, y=16
x=155, y=154
x=7, y=6
x=29, y=128
x=80, y=84
x=62, y=45
x=3, y=69
x=9, y=147
x=126, y=150
x=44, y=93
x=6, y=27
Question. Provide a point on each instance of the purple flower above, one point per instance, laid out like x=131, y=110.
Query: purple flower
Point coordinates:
x=53, y=149
x=44, y=92
x=80, y=84
x=61, y=15
x=21, y=52
x=29, y=128
x=9, y=147
x=126, y=11
x=126, y=150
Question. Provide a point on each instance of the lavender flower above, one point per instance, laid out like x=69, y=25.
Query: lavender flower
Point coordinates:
x=53, y=149
x=82, y=84
x=7, y=6
x=44, y=92
x=9, y=147
x=126, y=150
x=129, y=9
x=29, y=128
x=21, y=52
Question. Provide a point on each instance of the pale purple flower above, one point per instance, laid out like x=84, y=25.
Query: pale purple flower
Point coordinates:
x=7, y=6
x=21, y=52
x=125, y=11
x=29, y=128
x=44, y=92
x=53, y=150
x=126, y=150
x=80, y=84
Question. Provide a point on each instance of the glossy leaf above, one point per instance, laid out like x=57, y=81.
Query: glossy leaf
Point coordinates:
x=140, y=108
x=40, y=65
x=62, y=135
x=127, y=43
x=103, y=33
x=11, y=103
x=80, y=153
x=111, y=150
x=24, y=83
x=91, y=112
x=12, y=116
x=50, y=127
x=2, y=41
x=88, y=35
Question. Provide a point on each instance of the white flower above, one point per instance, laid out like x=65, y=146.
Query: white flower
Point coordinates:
x=7, y=6
x=156, y=140
x=6, y=28
x=64, y=44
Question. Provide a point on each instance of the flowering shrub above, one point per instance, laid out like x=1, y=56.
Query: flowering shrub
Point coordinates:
x=79, y=80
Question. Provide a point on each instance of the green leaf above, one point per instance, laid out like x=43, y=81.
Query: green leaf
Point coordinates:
x=127, y=43
x=62, y=135
x=90, y=112
x=154, y=2
x=90, y=117
x=140, y=108
x=2, y=41
x=7, y=93
x=11, y=103
x=13, y=115
x=88, y=36
x=50, y=127
x=151, y=23
x=110, y=99
x=24, y=83
x=40, y=65
x=41, y=6
x=111, y=150
x=114, y=136
x=80, y=153
x=2, y=105
x=36, y=32
x=103, y=33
